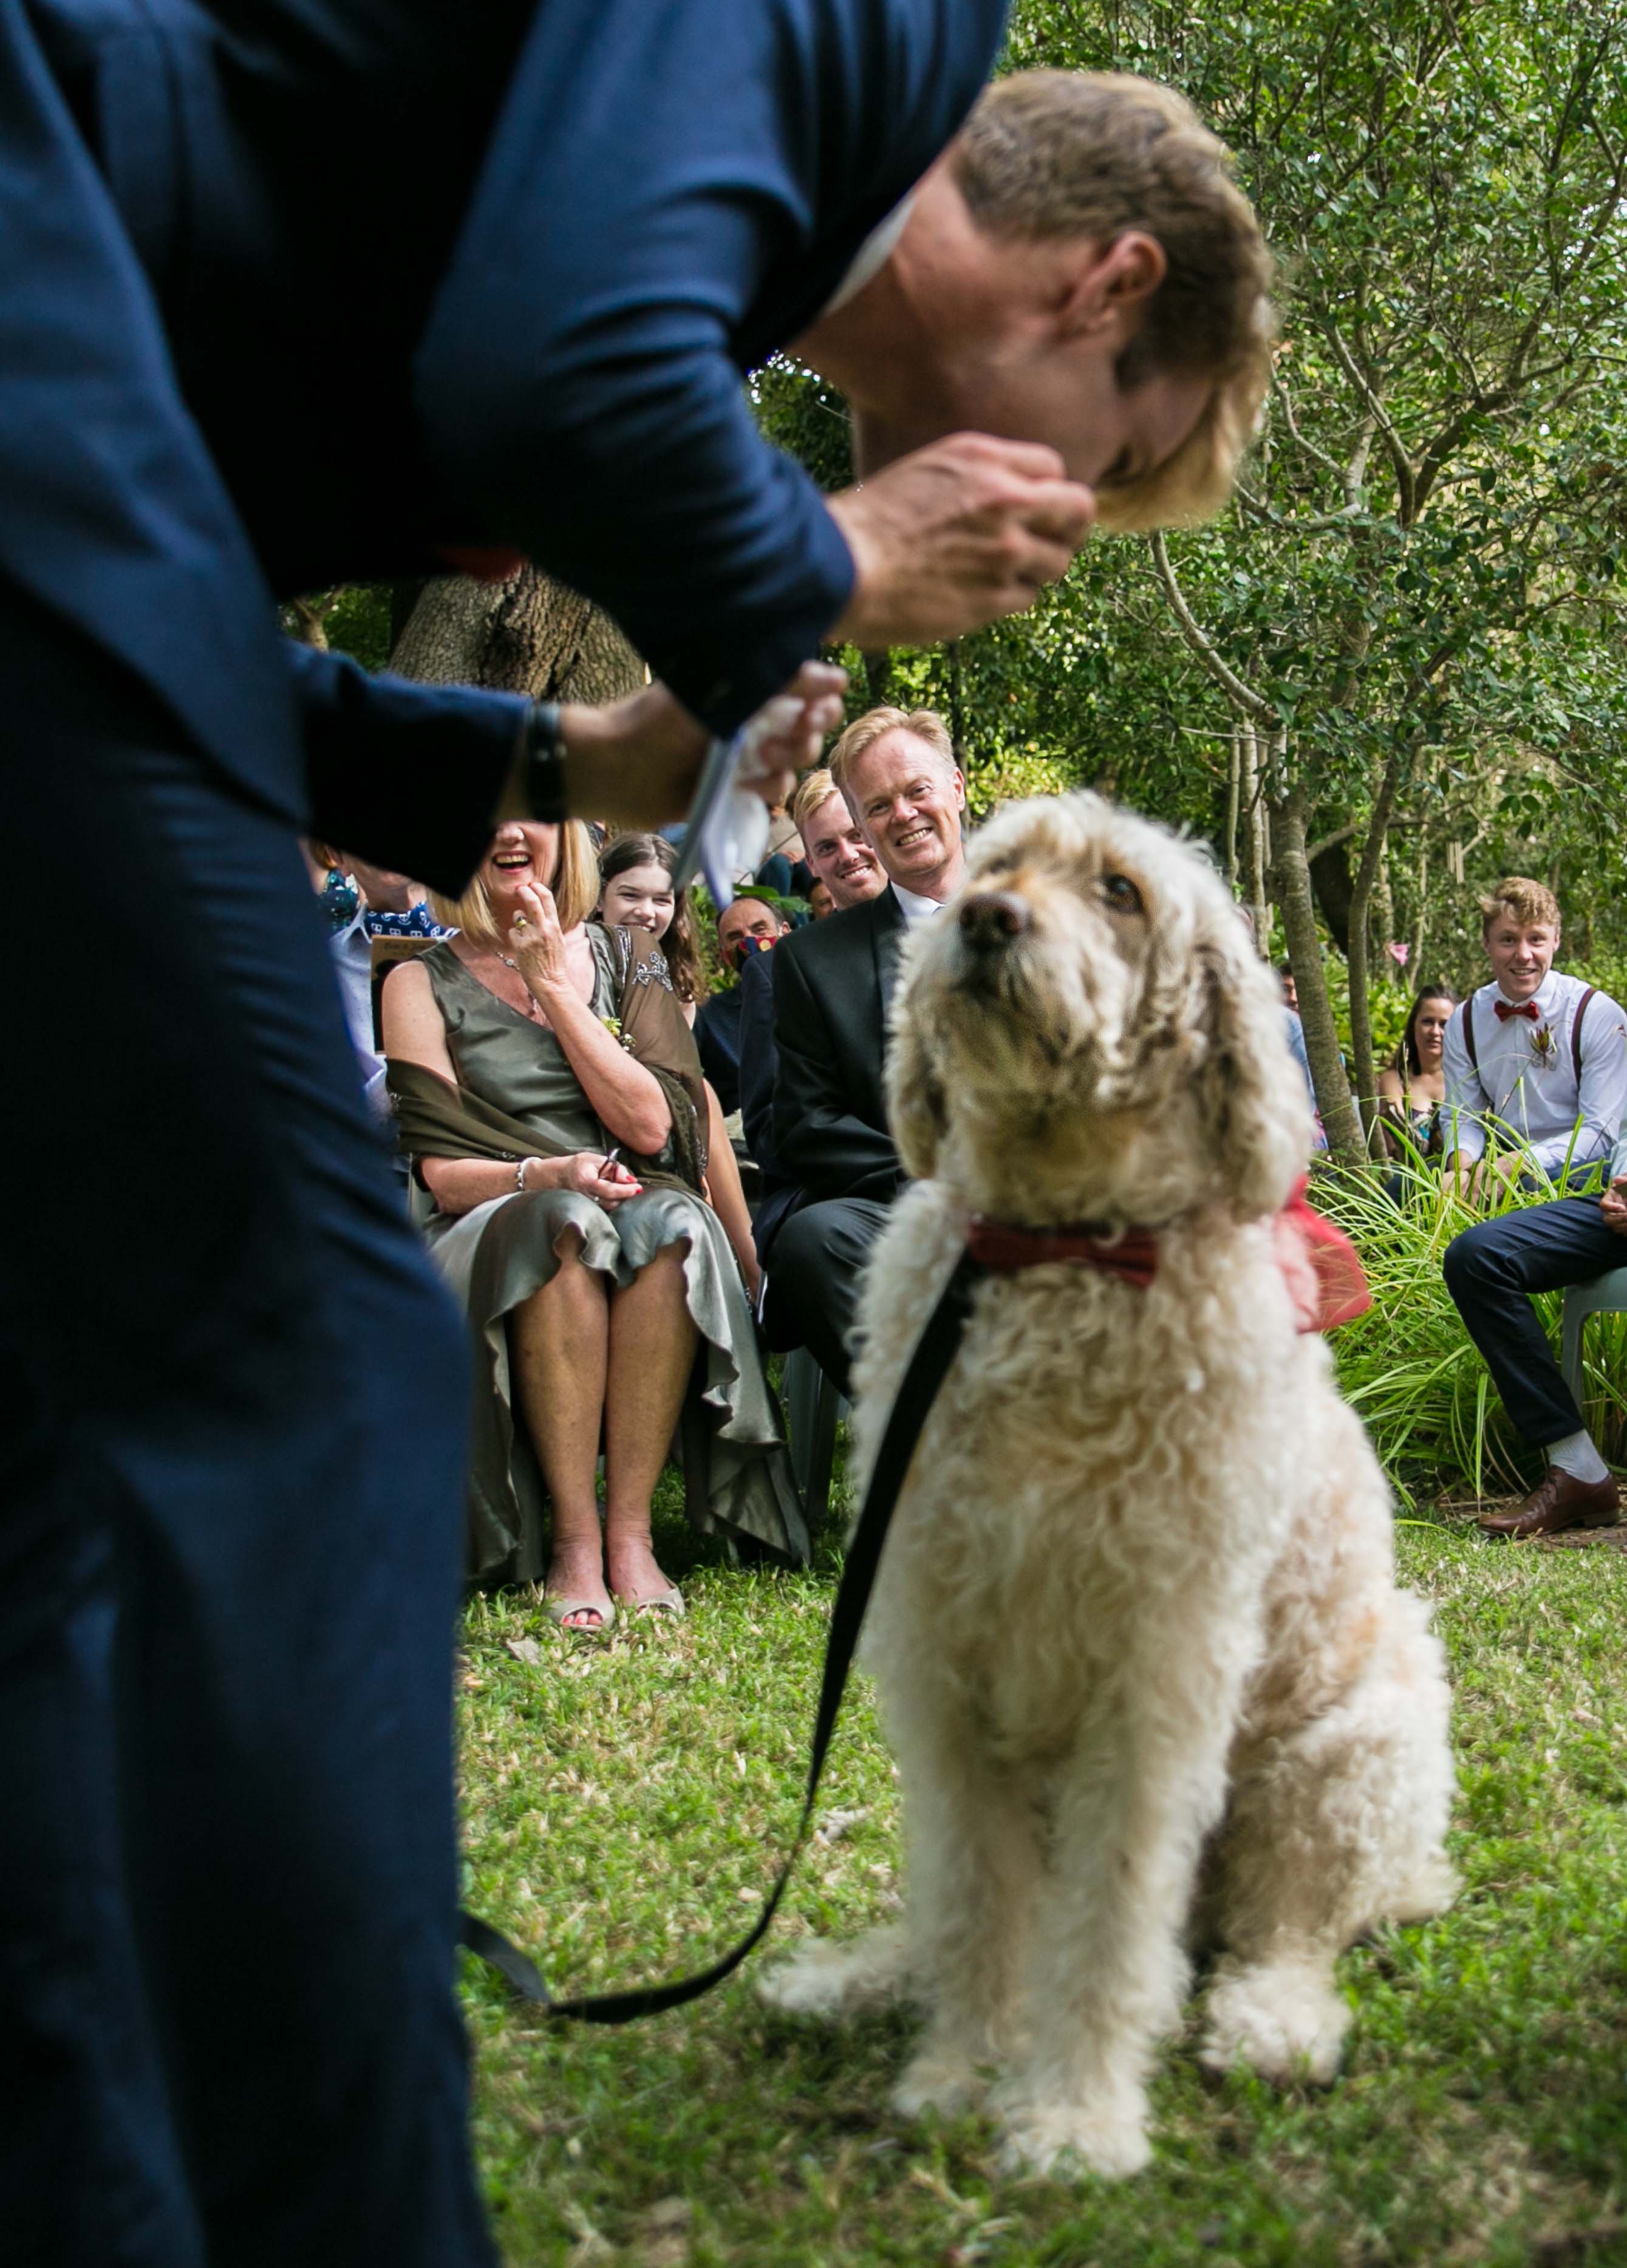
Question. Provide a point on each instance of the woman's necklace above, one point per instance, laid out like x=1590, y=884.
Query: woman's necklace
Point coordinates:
x=531, y=1008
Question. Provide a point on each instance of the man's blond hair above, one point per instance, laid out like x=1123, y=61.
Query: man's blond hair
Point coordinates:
x=874, y=724
x=1049, y=153
x=815, y=788
x=1518, y=898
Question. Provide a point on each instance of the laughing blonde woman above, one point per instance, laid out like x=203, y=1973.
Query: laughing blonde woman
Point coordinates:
x=548, y=1092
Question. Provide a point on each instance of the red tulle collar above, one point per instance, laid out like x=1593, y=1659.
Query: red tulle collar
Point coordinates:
x=1318, y=1261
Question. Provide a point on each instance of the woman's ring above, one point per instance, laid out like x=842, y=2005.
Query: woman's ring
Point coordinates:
x=520, y=922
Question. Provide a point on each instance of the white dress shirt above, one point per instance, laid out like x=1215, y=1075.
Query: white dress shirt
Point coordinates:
x=1525, y=1085
x=913, y=908
x=872, y=256
x=352, y=950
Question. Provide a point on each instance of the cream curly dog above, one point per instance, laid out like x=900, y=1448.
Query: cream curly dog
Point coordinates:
x=1142, y=1657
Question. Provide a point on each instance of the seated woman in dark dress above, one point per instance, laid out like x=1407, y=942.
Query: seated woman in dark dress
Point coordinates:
x=548, y=1092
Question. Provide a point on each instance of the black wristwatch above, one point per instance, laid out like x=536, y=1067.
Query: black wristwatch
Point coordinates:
x=543, y=783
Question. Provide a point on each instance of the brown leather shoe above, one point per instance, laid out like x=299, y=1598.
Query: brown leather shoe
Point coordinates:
x=1559, y=1500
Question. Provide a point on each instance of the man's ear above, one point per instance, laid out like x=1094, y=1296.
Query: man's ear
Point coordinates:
x=1111, y=282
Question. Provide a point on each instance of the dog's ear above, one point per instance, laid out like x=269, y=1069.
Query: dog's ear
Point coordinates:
x=1256, y=1113
x=914, y=1093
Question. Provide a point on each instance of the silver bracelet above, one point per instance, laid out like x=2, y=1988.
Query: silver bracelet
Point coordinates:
x=519, y=1176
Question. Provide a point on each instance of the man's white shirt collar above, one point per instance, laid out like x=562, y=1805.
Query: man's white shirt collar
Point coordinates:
x=913, y=906
x=872, y=256
x=1551, y=996
x=1548, y=995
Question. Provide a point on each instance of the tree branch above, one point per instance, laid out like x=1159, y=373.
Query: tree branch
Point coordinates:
x=1405, y=475
x=1249, y=701
x=1317, y=456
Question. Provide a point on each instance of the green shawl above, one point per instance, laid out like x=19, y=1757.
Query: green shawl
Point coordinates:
x=435, y=1119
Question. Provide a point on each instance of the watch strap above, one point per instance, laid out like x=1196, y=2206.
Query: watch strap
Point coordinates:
x=545, y=764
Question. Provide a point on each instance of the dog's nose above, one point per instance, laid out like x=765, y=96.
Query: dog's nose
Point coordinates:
x=991, y=919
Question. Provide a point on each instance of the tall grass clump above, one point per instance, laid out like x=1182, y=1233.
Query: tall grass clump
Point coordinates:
x=1408, y=1366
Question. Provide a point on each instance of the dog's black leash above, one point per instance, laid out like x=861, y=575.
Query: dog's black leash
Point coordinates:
x=929, y=1366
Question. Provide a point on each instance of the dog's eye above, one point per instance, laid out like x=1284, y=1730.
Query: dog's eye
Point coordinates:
x=1121, y=894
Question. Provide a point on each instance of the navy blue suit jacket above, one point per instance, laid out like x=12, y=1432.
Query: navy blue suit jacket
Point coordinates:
x=300, y=290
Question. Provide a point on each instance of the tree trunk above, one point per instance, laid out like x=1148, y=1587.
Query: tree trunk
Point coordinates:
x=1361, y=899
x=1422, y=931
x=309, y=618
x=877, y=679
x=1292, y=879
x=1331, y=878
x=1381, y=929
x=525, y=633
x=1253, y=788
x=1234, y=779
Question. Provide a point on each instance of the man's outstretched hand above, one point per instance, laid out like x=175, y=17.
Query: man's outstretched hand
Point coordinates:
x=636, y=763
x=1612, y=1205
x=954, y=536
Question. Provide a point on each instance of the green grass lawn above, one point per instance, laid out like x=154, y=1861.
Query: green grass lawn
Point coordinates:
x=626, y=1803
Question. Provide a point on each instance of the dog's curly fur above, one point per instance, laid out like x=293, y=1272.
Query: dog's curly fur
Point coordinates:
x=1142, y=1660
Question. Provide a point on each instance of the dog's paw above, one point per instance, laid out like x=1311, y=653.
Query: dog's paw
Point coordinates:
x=813, y=1982
x=1428, y=1892
x=945, y=2079
x=1288, y=2023
x=1060, y=2139
x=823, y=1979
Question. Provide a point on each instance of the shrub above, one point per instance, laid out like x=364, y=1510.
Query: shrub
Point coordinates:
x=1410, y=1368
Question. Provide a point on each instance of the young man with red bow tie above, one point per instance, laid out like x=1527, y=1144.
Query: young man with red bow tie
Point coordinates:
x=1539, y=1060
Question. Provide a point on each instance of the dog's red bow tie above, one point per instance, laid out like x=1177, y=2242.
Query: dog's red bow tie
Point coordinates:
x=1318, y=1260
x=1504, y=1009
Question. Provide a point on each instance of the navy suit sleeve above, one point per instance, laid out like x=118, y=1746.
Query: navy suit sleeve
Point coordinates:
x=658, y=173
x=405, y=776
x=823, y=1146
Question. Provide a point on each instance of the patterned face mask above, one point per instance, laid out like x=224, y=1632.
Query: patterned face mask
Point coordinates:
x=340, y=899
x=417, y=920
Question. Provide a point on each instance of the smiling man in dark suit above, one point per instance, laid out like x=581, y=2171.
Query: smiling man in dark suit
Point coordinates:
x=833, y=983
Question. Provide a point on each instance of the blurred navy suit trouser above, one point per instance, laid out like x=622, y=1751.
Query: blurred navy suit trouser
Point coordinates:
x=230, y=1473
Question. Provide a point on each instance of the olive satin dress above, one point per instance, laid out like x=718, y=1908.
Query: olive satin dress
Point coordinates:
x=737, y=1474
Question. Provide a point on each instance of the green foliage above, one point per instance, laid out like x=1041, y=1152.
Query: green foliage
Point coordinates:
x=1408, y=1366
x=1018, y=772
x=352, y=618
x=1388, y=1005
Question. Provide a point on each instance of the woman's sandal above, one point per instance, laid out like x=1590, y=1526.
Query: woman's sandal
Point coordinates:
x=665, y=1603
x=559, y=1610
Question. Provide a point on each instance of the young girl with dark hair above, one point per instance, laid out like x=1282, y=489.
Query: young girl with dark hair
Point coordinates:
x=635, y=892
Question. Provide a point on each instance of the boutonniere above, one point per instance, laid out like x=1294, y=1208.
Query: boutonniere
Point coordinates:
x=1544, y=1046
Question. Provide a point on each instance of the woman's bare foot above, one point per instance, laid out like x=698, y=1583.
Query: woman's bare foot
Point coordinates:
x=578, y=1573
x=635, y=1573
